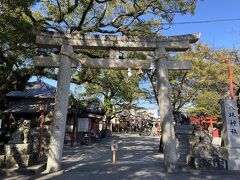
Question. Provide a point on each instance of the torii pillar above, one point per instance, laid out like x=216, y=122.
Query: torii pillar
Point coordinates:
x=167, y=126
x=60, y=110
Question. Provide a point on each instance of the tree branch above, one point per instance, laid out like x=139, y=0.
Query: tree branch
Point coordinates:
x=88, y=8
x=62, y=14
x=150, y=76
x=29, y=14
x=179, y=90
x=103, y=1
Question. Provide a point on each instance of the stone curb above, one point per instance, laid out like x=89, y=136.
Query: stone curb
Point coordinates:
x=31, y=170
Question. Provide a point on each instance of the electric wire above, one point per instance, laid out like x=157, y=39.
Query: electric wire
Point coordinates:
x=198, y=22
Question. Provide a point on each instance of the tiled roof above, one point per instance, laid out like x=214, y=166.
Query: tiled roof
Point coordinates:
x=37, y=89
x=26, y=106
x=27, y=101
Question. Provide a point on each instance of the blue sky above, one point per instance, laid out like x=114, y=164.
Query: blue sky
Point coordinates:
x=220, y=35
x=217, y=34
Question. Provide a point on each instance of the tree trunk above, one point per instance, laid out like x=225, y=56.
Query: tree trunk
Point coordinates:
x=168, y=134
x=105, y=117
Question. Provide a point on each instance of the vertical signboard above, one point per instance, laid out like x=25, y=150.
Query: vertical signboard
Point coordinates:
x=83, y=124
x=231, y=132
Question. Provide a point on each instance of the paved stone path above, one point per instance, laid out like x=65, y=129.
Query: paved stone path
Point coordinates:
x=137, y=158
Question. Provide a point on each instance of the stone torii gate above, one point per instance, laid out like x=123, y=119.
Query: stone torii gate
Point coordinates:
x=67, y=59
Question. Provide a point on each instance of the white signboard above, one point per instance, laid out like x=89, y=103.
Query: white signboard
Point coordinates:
x=83, y=124
x=0, y=123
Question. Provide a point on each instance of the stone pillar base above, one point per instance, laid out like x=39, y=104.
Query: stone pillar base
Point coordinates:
x=233, y=163
x=232, y=155
x=2, y=159
x=11, y=149
x=183, y=133
x=17, y=161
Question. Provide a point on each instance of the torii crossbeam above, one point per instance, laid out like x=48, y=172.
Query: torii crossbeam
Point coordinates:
x=68, y=59
x=107, y=63
x=125, y=43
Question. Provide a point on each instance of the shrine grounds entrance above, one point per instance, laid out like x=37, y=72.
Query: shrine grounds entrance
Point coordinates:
x=136, y=155
x=67, y=59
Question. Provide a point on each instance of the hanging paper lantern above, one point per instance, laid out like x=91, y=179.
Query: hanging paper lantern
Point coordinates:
x=129, y=72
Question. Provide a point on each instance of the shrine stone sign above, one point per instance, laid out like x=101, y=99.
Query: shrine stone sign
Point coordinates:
x=231, y=132
x=67, y=58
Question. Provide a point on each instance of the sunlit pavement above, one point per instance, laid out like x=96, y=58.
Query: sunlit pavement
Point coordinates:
x=137, y=158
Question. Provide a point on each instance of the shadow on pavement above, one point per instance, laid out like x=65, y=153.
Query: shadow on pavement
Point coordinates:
x=137, y=158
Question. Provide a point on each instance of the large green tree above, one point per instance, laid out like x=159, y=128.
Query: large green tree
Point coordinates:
x=208, y=78
x=16, y=48
x=19, y=20
x=116, y=89
x=109, y=16
x=207, y=81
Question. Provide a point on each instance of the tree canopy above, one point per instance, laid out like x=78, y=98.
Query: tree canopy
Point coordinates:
x=115, y=88
x=107, y=16
x=206, y=83
x=16, y=49
x=20, y=20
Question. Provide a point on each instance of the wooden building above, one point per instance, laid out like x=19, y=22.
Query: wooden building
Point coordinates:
x=26, y=105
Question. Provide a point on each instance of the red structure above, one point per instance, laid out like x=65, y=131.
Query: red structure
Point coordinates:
x=215, y=132
x=204, y=120
x=230, y=80
x=43, y=107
